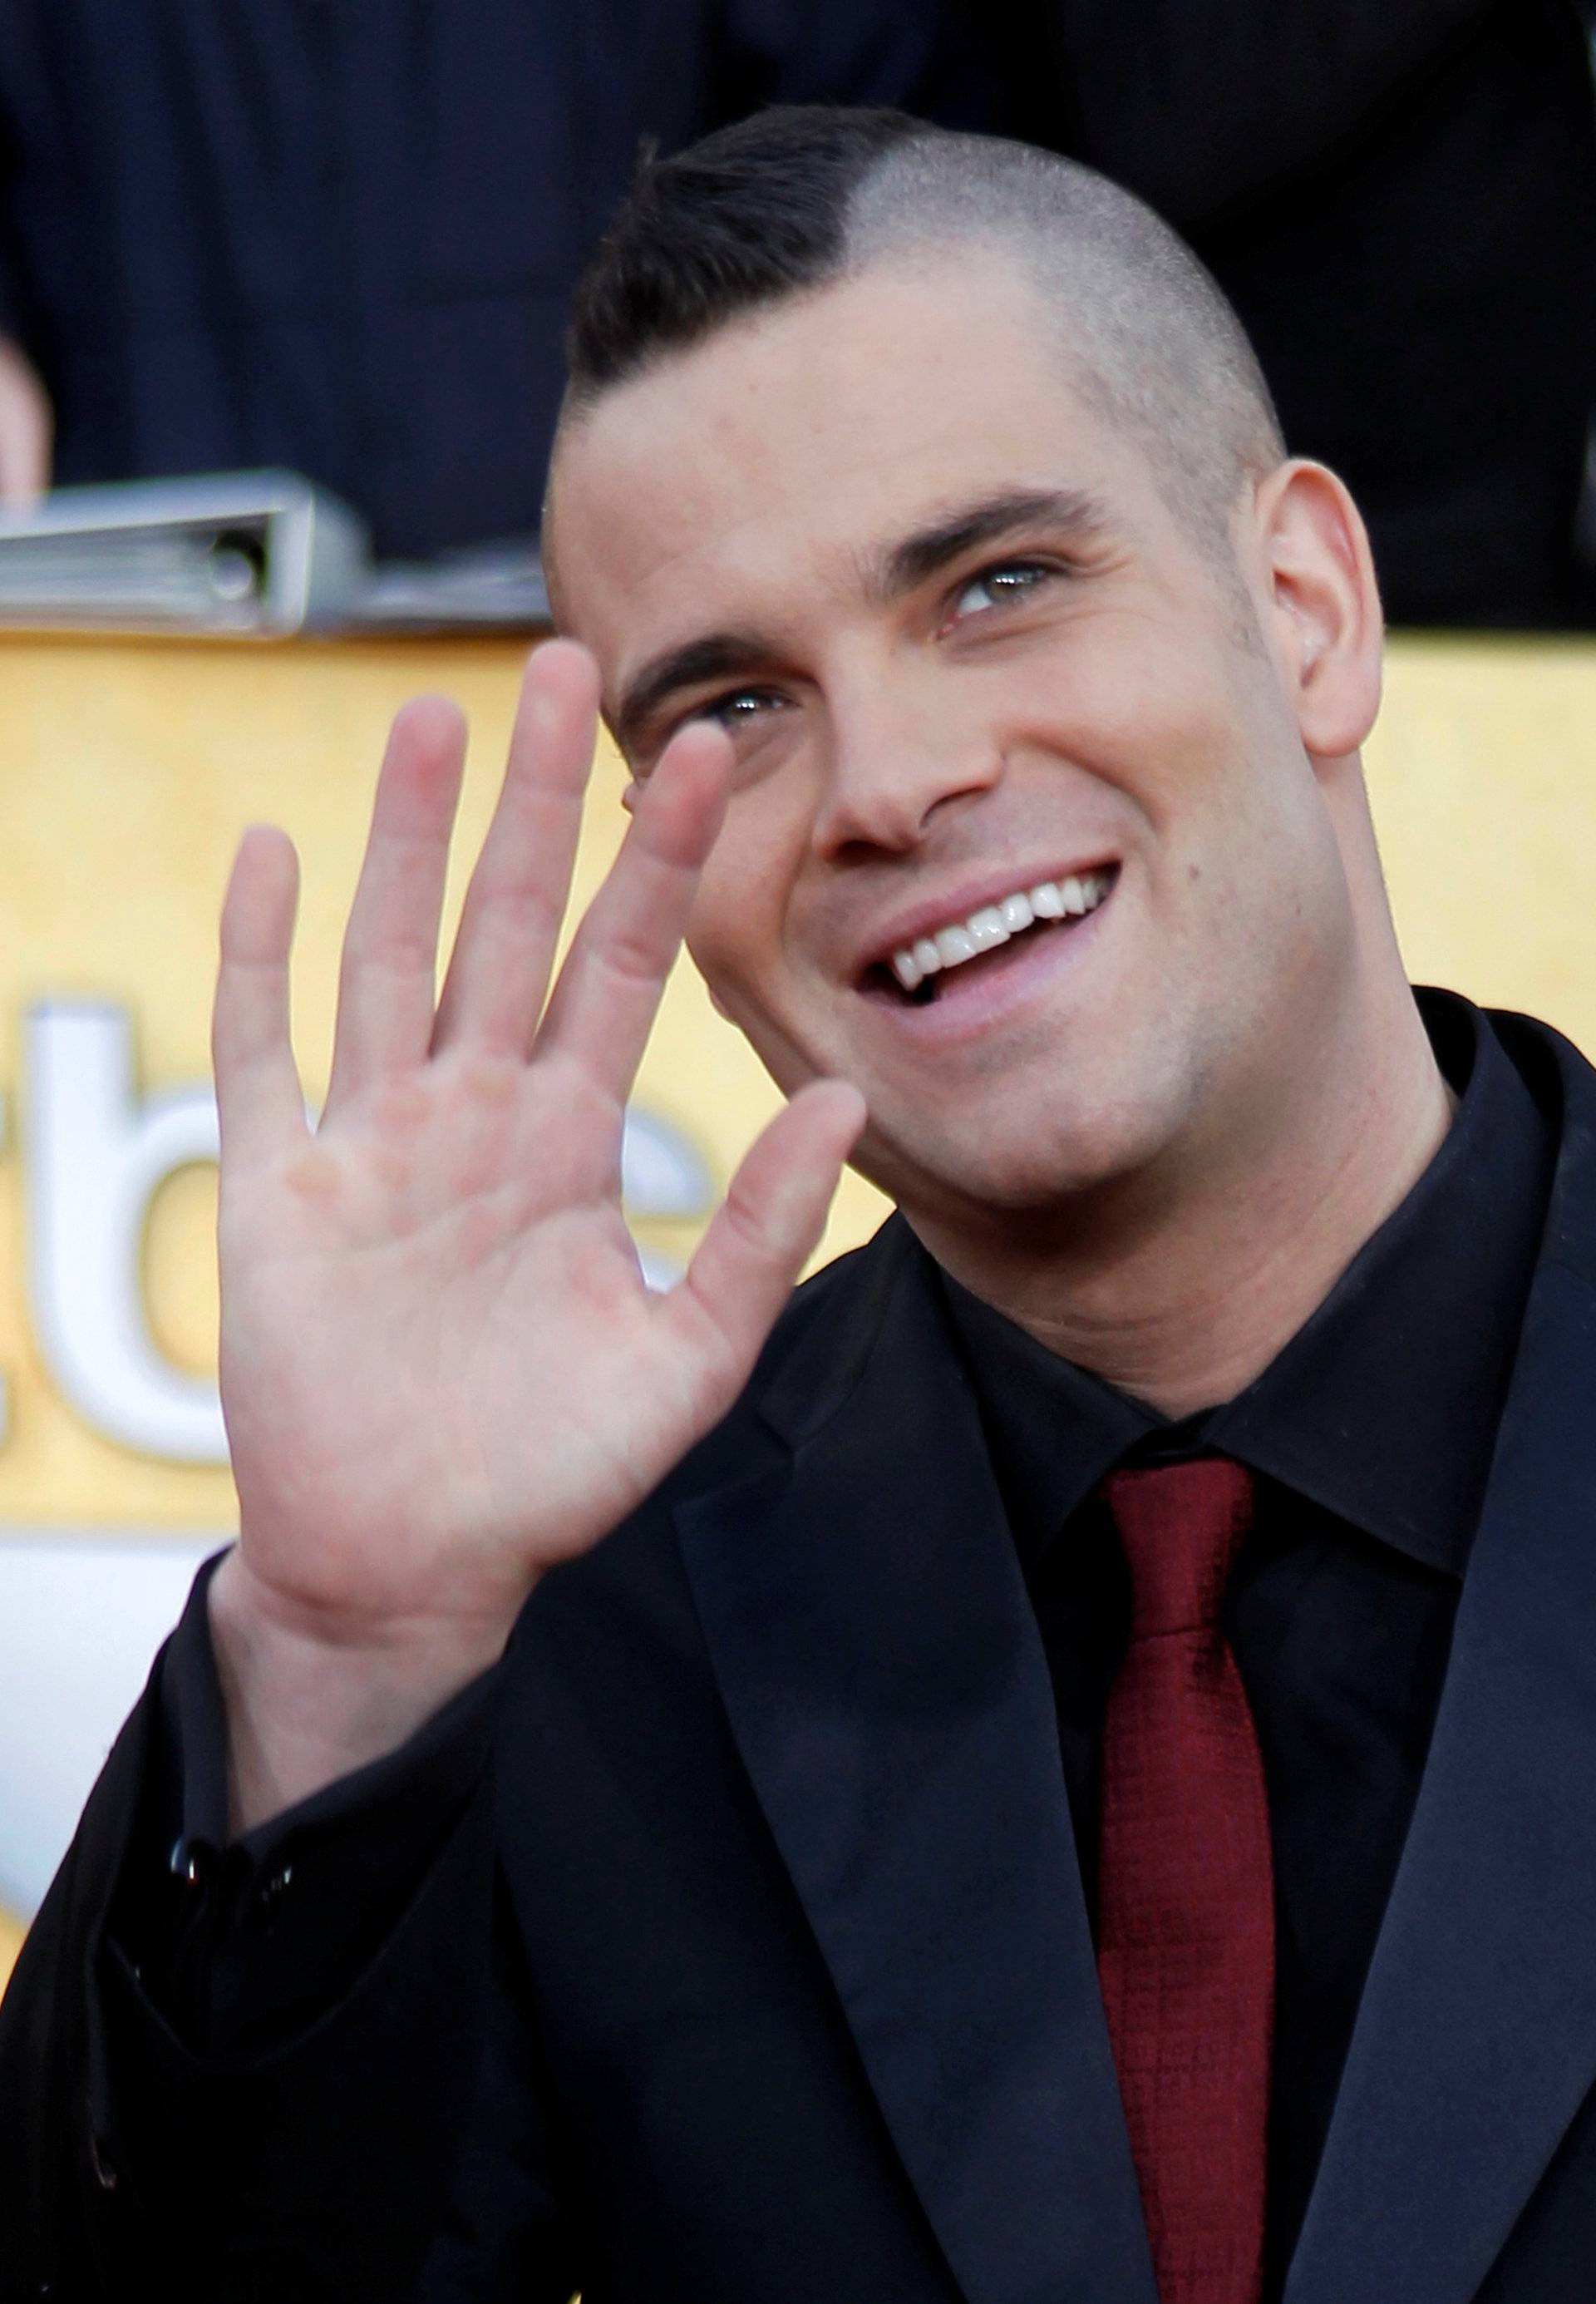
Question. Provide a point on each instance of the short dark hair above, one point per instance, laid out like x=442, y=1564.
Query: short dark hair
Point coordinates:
x=748, y=215
x=798, y=196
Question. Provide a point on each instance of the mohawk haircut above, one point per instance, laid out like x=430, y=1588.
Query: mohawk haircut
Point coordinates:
x=798, y=198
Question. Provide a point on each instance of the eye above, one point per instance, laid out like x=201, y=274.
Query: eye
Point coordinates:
x=741, y=707
x=998, y=588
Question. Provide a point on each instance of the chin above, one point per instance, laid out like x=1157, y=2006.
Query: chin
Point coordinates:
x=1033, y=1163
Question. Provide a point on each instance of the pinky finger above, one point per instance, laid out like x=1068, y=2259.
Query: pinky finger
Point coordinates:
x=258, y=1083
x=766, y=1228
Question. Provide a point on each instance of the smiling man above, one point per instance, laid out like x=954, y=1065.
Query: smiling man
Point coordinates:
x=1056, y=1763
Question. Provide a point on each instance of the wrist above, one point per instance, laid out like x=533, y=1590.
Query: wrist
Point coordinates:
x=312, y=1694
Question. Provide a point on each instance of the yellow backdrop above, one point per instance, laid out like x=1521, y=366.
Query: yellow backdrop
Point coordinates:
x=130, y=769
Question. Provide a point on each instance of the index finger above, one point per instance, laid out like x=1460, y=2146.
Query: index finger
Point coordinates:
x=610, y=986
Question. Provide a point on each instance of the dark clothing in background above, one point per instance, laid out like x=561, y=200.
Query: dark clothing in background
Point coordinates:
x=792, y=1990
x=340, y=235
x=1400, y=197
x=1339, y=1610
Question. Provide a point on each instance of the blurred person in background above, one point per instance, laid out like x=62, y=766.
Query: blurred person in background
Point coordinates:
x=1399, y=198
x=343, y=239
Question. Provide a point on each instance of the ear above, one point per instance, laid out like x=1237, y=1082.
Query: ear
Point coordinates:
x=1322, y=605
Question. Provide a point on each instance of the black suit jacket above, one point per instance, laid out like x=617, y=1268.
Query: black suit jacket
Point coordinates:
x=792, y=1994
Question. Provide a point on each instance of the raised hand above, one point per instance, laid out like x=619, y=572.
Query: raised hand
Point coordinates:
x=441, y=1371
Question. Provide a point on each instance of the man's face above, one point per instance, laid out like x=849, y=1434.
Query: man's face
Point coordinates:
x=965, y=651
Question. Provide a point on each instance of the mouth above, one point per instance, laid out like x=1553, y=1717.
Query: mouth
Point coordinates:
x=916, y=974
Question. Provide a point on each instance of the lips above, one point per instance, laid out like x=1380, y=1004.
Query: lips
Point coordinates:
x=926, y=952
x=991, y=925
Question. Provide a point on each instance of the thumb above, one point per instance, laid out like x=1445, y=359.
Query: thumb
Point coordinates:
x=766, y=1228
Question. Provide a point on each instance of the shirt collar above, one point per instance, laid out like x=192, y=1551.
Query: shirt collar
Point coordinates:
x=1383, y=1406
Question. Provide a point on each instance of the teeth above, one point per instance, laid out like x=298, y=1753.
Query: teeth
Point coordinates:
x=994, y=924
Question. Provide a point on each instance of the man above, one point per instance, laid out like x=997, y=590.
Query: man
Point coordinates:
x=1064, y=1773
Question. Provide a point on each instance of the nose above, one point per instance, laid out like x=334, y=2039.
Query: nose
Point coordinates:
x=894, y=764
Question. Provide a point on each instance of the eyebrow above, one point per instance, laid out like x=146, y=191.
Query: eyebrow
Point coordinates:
x=717, y=656
x=890, y=570
x=903, y=566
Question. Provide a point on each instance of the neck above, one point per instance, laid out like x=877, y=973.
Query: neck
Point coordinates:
x=1181, y=1288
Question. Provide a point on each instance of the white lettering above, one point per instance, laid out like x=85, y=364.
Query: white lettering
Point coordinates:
x=662, y=1174
x=95, y=1159
x=95, y=1155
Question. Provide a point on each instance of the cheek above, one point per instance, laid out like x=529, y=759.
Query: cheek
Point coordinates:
x=741, y=934
x=1174, y=743
x=738, y=924
x=1142, y=712
x=735, y=936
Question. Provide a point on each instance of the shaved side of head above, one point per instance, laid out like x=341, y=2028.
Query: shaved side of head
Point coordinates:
x=798, y=198
x=1147, y=336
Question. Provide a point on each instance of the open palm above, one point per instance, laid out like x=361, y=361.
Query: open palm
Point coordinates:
x=441, y=1370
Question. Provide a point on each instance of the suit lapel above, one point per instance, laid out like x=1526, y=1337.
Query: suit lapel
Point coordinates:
x=885, y=1681
x=1476, y=2038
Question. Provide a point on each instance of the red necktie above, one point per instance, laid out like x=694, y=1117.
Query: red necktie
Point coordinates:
x=1185, y=1916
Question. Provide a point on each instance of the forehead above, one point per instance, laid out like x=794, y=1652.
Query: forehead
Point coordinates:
x=754, y=473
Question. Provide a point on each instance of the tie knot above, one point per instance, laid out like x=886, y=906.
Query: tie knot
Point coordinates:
x=1181, y=1527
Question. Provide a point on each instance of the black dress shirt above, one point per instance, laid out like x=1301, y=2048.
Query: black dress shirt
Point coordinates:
x=1371, y=1434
